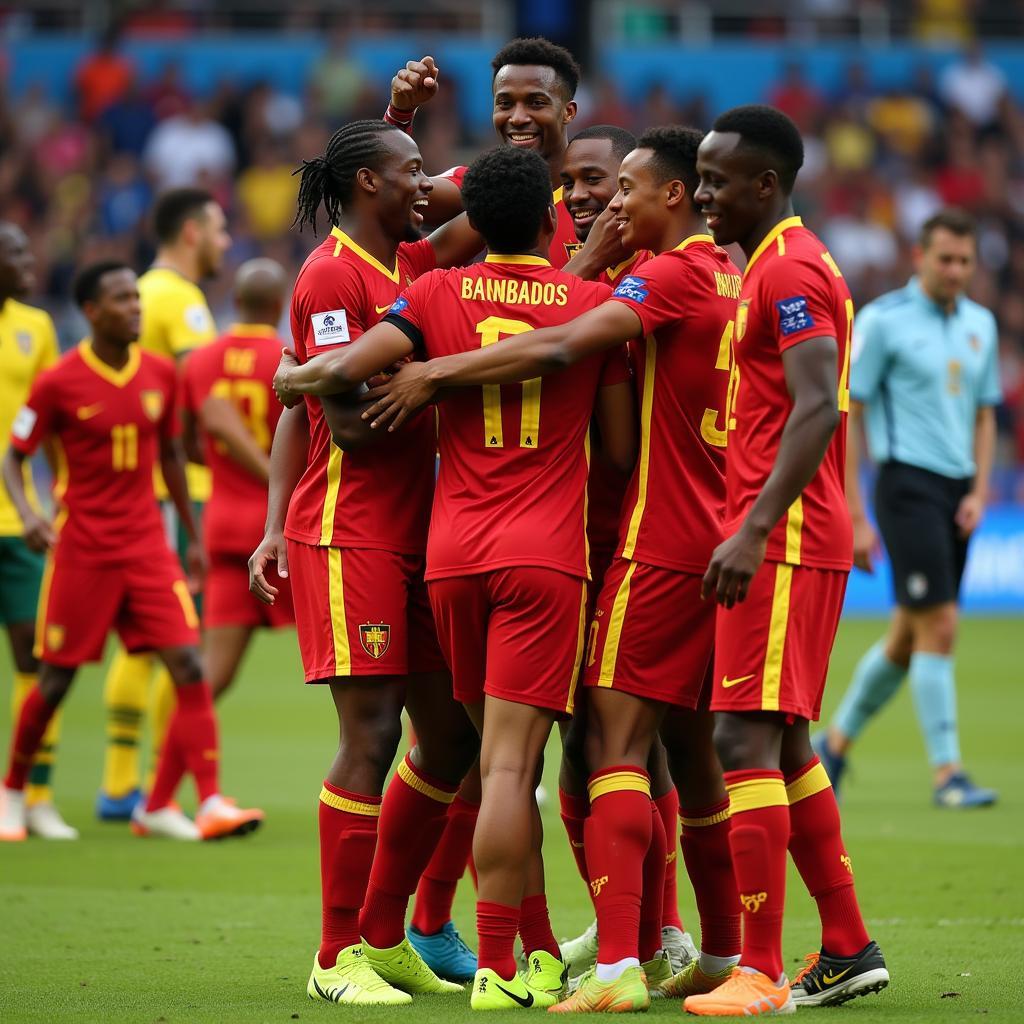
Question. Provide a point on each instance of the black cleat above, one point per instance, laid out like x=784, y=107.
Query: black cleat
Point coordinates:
x=831, y=980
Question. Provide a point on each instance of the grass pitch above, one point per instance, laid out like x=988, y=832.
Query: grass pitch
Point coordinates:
x=114, y=928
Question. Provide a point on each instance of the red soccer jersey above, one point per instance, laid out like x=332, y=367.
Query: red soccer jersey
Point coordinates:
x=109, y=424
x=512, y=485
x=792, y=292
x=238, y=366
x=686, y=301
x=378, y=498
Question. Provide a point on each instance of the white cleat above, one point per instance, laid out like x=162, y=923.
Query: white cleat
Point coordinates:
x=12, y=816
x=580, y=954
x=167, y=823
x=679, y=946
x=44, y=820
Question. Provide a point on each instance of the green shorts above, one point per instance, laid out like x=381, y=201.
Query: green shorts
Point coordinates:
x=19, y=580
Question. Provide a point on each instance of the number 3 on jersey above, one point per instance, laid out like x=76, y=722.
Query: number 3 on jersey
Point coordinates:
x=492, y=330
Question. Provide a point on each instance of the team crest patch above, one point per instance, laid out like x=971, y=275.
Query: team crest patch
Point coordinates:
x=975, y=342
x=571, y=248
x=375, y=638
x=741, y=318
x=632, y=288
x=24, y=340
x=794, y=316
x=153, y=404
x=54, y=638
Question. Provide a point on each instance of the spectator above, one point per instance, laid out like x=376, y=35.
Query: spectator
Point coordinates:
x=266, y=193
x=795, y=96
x=974, y=87
x=103, y=78
x=189, y=148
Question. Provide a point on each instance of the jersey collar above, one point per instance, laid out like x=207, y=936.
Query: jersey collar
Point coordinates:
x=520, y=261
x=119, y=378
x=558, y=195
x=686, y=242
x=783, y=225
x=344, y=242
x=917, y=293
x=253, y=330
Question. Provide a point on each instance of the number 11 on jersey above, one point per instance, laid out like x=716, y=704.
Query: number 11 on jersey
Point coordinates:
x=492, y=330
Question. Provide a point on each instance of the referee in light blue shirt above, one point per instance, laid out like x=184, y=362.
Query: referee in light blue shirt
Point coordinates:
x=924, y=381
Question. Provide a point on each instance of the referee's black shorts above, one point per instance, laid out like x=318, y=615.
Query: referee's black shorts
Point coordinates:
x=915, y=511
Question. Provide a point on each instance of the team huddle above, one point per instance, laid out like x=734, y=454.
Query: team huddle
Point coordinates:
x=594, y=478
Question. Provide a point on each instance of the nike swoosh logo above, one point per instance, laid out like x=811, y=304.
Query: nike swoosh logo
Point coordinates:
x=577, y=846
x=88, y=411
x=524, y=1003
x=831, y=979
x=332, y=994
x=727, y=682
x=382, y=309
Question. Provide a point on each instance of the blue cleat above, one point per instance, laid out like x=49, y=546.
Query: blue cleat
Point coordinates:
x=444, y=953
x=117, y=808
x=834, y=764
x=959, y=791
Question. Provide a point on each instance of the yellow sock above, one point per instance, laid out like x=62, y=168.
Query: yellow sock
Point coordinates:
x=162, y=700
x=124, y=697
x=39, y=788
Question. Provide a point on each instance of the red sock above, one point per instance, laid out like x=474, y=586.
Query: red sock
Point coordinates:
x=496, y=927
x=758, y=837
x=412, y=818
x=617, y=835
x=574, y=813
x=535, y=926
x=708, y=861
x=668, y=808
x=654, y=889
x=32, y=721
x=348, y=837
x=436, y=891
x=191, y=741
x=816, y=843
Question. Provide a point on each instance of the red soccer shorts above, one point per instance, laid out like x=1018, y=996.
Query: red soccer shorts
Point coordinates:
x=652, y=635
x=147, y=603
x=361, y=613
x=772, y=650
x=227, y=601
x=513, y=633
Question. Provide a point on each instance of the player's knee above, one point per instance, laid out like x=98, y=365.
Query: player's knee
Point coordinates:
x=574, y=752
x=939, y=632
x=184, y=665
x=737, y=746
x=376, y=741
x=53, y=684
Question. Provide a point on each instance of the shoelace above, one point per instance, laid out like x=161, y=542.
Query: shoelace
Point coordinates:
x=811, y=960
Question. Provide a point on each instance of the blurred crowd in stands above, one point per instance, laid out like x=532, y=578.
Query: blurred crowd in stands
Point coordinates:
x=81, y=179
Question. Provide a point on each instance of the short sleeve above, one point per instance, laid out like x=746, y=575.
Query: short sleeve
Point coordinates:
x=798, y=300
x=328, y=308
x=990, y=393
x=654, y=292
x=417, y=258
x=869, y=357
x=187, y=321
x=49, y=351
x=408, y=313
x=455, y=175
x=615, y=369
x=35, y=419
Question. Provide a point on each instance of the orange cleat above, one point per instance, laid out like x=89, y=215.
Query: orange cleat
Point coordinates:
x=747, y=993
x=219, y=818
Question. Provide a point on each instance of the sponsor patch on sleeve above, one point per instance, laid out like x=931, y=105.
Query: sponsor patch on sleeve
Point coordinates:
x=632, y=288
x=330, y=328
x=399, y=305
x=198, y=318
x=794, y=315
x=24, y=423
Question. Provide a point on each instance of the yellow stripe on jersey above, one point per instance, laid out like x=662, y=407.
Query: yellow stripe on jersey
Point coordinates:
x=345, y=242
x=794, y=530
x=339, y=623
x=517, y=261
x=646, y=411
x=771, y=678
x=752, y=794
x=776, y=232
x=814, y=780
x=342, y=803
x=413, y=781
x=706, y=822
x=188, y=607
x=119, y=378
x=615, y=620
x=619, y=782
x=578, y=660
x=44, y=600
x=334, y=459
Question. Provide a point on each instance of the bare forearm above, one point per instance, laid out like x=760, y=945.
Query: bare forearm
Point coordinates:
x=326, y=375
x=221, y=421
x=14, y=481
x=854, y=496
x=984, y=451
x=172, y=467
x=287, y=464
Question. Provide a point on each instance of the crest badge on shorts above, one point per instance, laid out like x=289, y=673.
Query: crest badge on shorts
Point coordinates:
x=54, y=638
x=153, y=404
x=375, y=638
x=741, y=318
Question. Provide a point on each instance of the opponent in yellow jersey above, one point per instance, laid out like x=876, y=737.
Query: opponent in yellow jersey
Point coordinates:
x=192, y=239
x=28, y=345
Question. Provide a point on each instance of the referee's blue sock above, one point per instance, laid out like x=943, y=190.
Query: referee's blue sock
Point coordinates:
x=875, y=680
x=934, y=689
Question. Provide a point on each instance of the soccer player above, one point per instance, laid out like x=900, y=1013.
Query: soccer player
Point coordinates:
x=356, y=535
x=192, y=239
x=641, y=659
x=227, y=395
x=925, y=381
x=506, y=556
x=112, y=409
x=780, y=575
x=28, y=348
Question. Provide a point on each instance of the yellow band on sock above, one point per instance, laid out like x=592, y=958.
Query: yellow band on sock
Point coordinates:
x=342, y=803
x=711, y=819
x=751, y=794
x=619, y=782
x=413, y=781
x=812, y=781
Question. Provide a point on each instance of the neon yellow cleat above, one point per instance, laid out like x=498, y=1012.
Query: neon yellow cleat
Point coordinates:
x=403, y=968
x=627, y=994
x=692, y=981
x=545, y=977
x=492, y=992
x=352, y=980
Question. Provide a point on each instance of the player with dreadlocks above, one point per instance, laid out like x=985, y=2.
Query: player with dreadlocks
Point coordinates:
x=351, y=525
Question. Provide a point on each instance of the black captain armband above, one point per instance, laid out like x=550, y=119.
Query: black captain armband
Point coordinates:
x=411, y=331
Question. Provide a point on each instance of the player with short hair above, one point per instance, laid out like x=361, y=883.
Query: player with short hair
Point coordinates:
x=191, y=235
x=229, y=404
x=353, y=540
x=925, y=382
x=641, y=659
x=506, y=555
x=29, y=346
x=112, y=408
x=780, y=575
